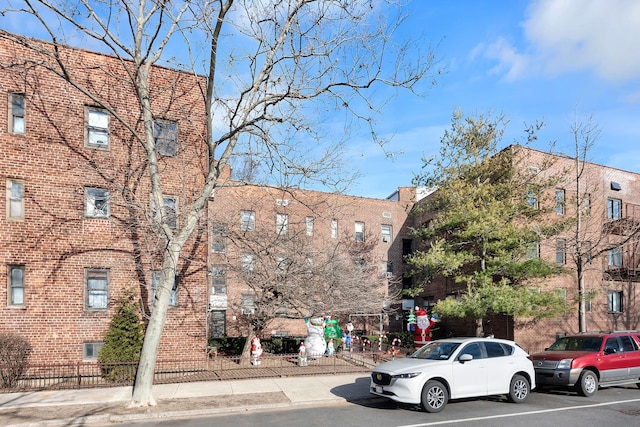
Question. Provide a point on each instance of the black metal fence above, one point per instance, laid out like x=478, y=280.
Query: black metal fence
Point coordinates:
x=94, y=374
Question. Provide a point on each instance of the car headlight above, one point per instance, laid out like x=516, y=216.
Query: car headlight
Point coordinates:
x=565, y=364
x=410, y=375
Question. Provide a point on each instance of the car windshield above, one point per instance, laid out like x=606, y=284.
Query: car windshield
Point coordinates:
x=436, y=350
x=577, y=344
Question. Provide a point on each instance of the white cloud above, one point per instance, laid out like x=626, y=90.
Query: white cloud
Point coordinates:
x=564, y=36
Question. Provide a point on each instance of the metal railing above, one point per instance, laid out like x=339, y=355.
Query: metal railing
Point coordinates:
x=79, y=375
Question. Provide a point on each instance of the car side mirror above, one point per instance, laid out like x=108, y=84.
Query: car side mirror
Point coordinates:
x=465, y=358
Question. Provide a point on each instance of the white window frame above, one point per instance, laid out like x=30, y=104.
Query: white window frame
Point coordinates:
x=218, y=280
x=169, y=214
x=309, y=224
x=248, y=262
x=614, y=257
x=615, y=301
x=217, y=323
x=561, y=251
x=15, y=200
x=334, y=228
x=165, y=134
x=560, y=201
x=96, y=297
x=282, y=224
x=97, y=128
x=247, y=304
x=155, y=281
x=247, y=220
x=17, y=113
x=386, y=232
x=614, y=208
x=359, y=231
x=97, y=202
x=219, y=238
x=15, y=285
x=90, y=350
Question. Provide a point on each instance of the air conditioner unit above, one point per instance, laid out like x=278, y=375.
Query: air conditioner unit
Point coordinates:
x=248, y=311
x=389, y=275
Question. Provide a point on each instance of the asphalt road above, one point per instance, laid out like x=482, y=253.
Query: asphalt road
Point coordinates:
x=618, y=406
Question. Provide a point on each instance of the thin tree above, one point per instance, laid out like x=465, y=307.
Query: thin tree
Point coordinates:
x=483, y=226
x=271, y=71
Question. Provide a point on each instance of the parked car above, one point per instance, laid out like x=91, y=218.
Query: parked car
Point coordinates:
x=456, y=368
x=589, y=360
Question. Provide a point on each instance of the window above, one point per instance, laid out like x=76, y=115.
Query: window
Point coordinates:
x=90, y=350
x=96, y=202
x=560, y=202
x=248, y=262
x=588, y=298
x=407, y=249
x=586, y=204
x=614, y=209
x=615, y=302
x=169, y=215
x=165, y=134
x=309, y=222
x=218, y=280
x=97, y=128
x=533, y=251
x=217, y=323
x=16, y=284
x=248, y=305
x=247, y=220
x=155, y=282
x=532, y=199
x=97, y=287
x=359, y=231
x=495, y=349
x=15, y=200
x=407, y=282
x=16, y=113
x=282, y=223
x=219, y=238
x=387, y=233
x=615, y=257
x=561, y=251
x=473, y=349
x=334, y=228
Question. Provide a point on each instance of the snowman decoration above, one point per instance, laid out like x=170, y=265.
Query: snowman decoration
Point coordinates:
x=315, y=343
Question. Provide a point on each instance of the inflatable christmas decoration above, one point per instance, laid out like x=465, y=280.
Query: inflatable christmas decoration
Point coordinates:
x=302, y=355
x=332, y=329
x=256, y=351
x=315, y=343
x=423, y=325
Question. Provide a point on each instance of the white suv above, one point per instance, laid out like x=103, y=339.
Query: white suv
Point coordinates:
x=456, y=368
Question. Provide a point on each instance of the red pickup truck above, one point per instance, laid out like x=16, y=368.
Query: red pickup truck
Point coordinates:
x=588, y=360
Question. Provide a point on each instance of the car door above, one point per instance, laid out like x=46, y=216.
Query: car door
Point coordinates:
x=470, y=378
x=500, y=367
x=613, y=365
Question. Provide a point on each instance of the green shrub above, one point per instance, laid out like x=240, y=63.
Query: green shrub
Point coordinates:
x=228, y=346
x=120, y=353
x=14, y=354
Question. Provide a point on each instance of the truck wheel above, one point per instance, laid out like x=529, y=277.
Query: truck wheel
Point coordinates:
x=587, y=384
x=434, y=396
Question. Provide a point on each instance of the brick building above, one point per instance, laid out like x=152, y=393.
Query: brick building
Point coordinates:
x=609, y=202
x=75, y=233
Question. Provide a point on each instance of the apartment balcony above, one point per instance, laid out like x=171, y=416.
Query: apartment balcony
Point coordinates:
x=622, y=221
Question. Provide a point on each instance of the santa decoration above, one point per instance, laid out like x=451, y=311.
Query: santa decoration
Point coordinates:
x=423, y=327
x=256, y=351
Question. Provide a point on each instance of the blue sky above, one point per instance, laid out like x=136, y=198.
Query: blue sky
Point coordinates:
x=557, y=61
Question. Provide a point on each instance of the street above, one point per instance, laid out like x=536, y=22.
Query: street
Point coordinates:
x=619, y=406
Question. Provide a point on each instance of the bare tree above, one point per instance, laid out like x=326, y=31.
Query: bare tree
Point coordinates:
x=271, y=71
x=589, y=239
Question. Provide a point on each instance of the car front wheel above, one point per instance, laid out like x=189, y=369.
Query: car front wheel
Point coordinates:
x=587, y=384
x=434, y=396
x=519, y=389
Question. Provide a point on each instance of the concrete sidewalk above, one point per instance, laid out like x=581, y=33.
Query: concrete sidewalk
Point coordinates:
x=108, y=405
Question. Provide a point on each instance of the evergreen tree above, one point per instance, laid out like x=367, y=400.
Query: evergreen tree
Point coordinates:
x=123, y=342
x=484, y=220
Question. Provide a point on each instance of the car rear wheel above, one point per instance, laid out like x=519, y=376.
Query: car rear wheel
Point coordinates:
x=518, y=390
x=587, y=384
x=434, y=396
